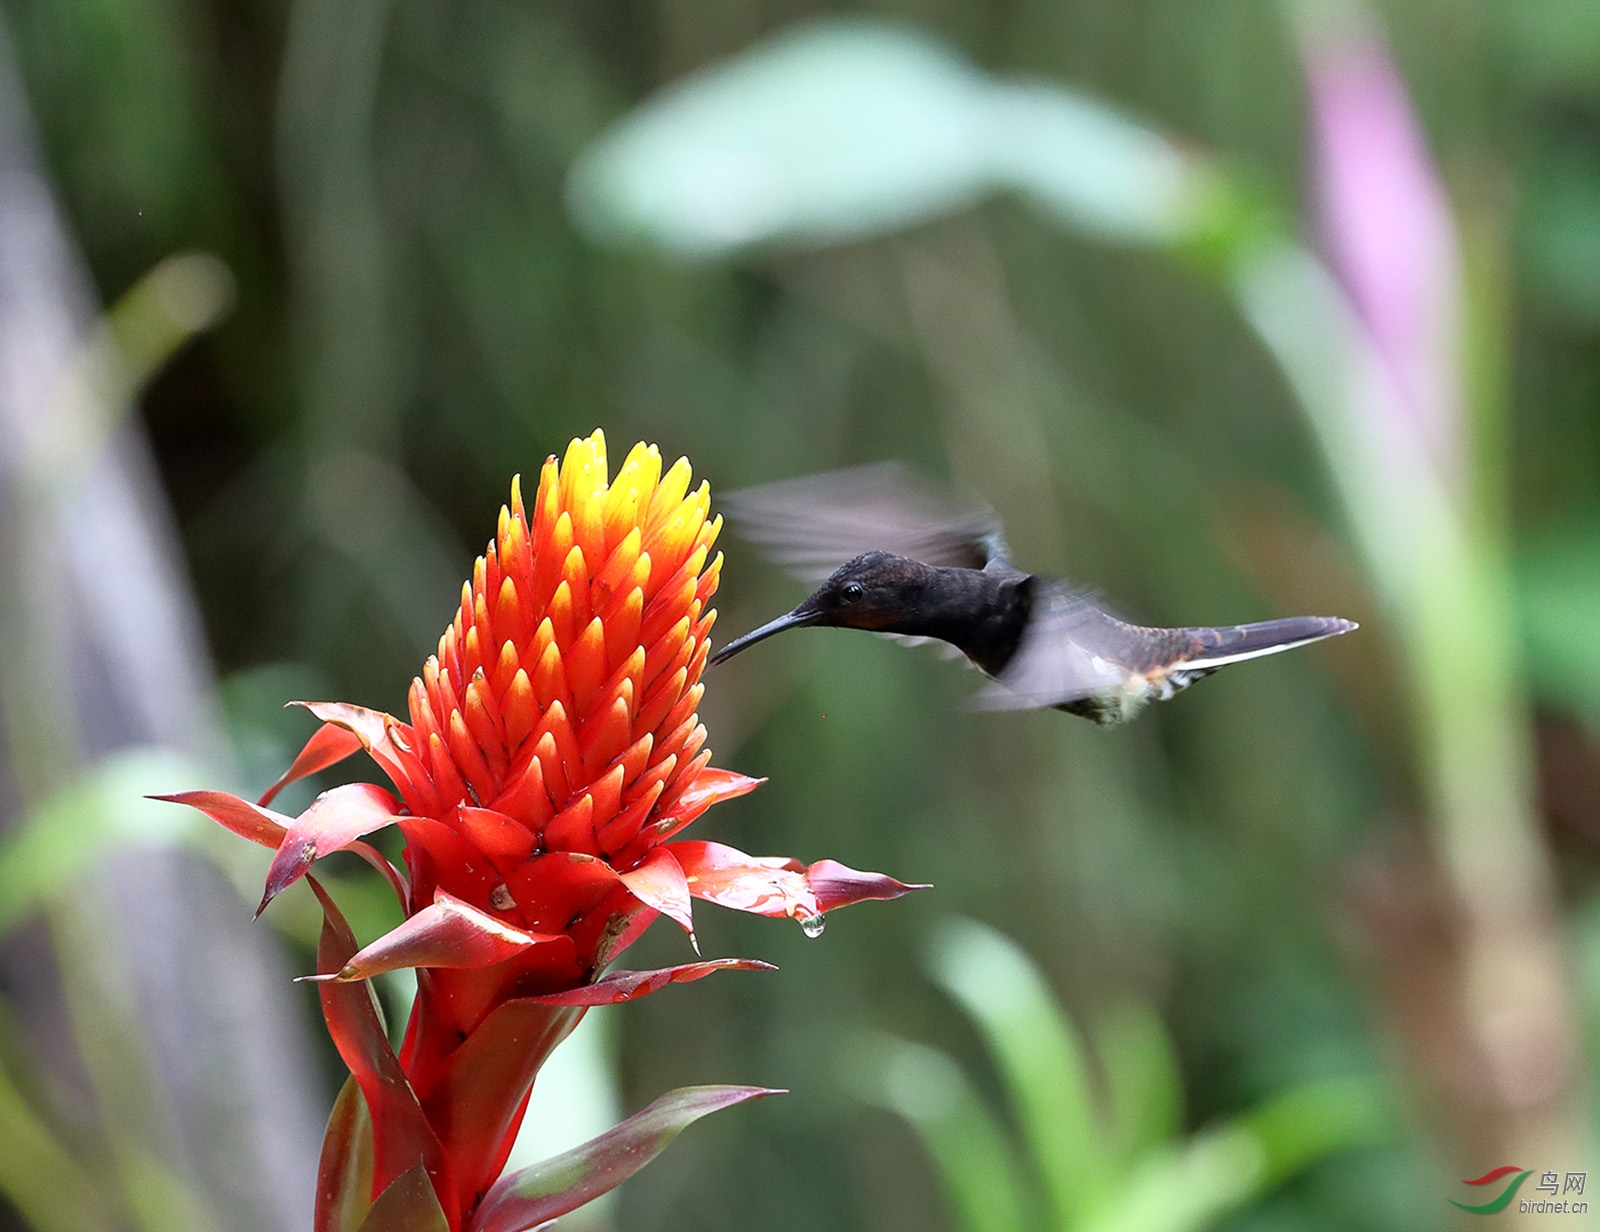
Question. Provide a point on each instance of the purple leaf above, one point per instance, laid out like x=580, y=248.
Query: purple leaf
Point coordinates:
x=631, y=985
x=567, y=1181
x=344, y=1173
x=408, y=1205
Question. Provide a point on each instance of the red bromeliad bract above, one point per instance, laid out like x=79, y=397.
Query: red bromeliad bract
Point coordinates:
x=552, y=755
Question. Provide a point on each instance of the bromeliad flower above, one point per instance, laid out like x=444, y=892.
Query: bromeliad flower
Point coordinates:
x=553, y=755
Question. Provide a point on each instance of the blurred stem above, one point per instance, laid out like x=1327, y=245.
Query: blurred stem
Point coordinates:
x=183, y=295
x=349, y=342
x=128, y=1091
x=93, y=393
x=1484, y=219
x=1144, y=1084
x=38, y=1175
x=1439, y=565
x=327, y=184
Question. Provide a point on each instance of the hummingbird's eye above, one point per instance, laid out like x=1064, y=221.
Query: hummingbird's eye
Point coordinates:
x=852, y=592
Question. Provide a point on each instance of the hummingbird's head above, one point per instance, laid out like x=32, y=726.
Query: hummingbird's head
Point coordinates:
x=873, y=591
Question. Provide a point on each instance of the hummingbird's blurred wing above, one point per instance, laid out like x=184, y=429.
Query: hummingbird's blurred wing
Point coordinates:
x=1073, y=649
x=816, y=523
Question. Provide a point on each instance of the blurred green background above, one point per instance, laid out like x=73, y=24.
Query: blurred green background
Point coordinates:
x=1276, y=863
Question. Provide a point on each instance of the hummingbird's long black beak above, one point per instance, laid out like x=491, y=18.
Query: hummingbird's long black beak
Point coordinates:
x=796, y=619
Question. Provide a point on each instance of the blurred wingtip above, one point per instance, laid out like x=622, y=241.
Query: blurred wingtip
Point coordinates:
x=812, y=524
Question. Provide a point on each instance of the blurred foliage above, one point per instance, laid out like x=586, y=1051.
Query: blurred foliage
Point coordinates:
x=418, y=317
x=1105, y=1159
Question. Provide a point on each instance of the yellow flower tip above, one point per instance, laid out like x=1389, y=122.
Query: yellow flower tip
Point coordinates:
x=640, y=470
x=669, y=493
x=578, y=646
x=583, y=471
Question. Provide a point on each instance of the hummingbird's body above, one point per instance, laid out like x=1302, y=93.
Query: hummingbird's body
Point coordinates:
x=934, y=570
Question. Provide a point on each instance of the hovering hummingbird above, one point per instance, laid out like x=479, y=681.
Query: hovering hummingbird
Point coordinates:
x=902, y=558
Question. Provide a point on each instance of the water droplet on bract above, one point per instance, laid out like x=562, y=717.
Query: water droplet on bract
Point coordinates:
x=812, y=925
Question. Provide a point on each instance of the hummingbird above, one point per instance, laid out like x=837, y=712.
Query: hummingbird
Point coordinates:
x=898, y=556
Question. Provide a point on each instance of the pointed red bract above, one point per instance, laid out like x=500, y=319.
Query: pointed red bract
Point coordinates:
x=836, y=885
x=327, y=747
x=775, y=885
x=378, y=734
x=333, y=823
x=710, y=786
x=446, y=933
x=251, y=821
x=659, y=883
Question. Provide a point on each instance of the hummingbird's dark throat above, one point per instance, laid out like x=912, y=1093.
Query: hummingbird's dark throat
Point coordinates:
x=981, y=613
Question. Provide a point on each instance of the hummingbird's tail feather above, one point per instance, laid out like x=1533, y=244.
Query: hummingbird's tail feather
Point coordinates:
x=1210, y=649
x=1077, y=656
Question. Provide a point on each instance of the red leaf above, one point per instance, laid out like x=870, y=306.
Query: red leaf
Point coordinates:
x=334, y=821
x=330, y=745
x=776, y=886
x=630, y=985
x=407, y=1205
x=836, y=885
x=449, y=932
x=480, y=1090
x=710, y=786
x=371, y=727
x=659, y=883
x=401, y=1134
x=766, y=885
x=251, y=821
x=344, y=1173
x=569, y=1180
